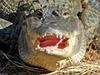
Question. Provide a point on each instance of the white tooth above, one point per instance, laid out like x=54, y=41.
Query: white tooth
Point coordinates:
x=60, y=36
x=57, y=36
x=38, y=46
x=45, y=34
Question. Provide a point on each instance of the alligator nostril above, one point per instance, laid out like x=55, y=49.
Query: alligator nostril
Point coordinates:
x=55, y=13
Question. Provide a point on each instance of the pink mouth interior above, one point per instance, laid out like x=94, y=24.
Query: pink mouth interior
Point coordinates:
x=52, y=40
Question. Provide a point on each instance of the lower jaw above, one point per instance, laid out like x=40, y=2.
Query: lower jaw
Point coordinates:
x=44, y=60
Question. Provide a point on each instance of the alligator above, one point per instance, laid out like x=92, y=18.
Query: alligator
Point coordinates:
x=55, y=33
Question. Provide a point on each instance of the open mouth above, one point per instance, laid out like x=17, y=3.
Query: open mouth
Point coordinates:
x=60, y=44
x=51, y=40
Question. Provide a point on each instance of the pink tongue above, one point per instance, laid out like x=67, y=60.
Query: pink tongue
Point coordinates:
x=51, y=40
x=48, y=41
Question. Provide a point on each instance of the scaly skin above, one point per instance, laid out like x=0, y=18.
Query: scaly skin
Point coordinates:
x=43, y=59
x=38, y=26
x=91, y=18
x=96, y=5
x=11, y=6
x=8, y=6
x=65, y=23
x=58, y=15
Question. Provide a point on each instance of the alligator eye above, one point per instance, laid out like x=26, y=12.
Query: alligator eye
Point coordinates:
x=65, y=14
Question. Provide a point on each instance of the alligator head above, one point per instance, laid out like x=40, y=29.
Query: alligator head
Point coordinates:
x=55, y=36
